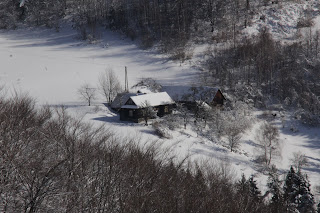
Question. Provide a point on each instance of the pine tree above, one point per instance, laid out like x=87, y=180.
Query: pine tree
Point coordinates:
x=274, y=185
x=242, y=187
x=306, y=199
x=249, y=195
x=254, y=192
x=289, y=187
x=297, y=194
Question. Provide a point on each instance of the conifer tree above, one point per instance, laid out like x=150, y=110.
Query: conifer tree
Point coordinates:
x=249, y=195
x=255, y=196
x=297, y=192
x=274, y=185
x=254, y=192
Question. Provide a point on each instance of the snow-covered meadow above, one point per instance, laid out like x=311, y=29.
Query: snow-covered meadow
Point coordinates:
x=51, y=66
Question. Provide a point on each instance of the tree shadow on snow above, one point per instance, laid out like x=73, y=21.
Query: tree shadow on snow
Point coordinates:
x=114, y=120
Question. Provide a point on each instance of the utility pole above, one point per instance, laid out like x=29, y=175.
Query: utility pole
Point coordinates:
x=126, y=85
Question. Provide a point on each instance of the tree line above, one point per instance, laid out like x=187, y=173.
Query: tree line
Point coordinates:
x=169, y=21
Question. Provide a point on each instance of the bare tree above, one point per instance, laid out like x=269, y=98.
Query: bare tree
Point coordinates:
x=87, y=93
x=148, y=112
x=109, y=85
x=233, y=132
x=185, y=114
x=217, y=121
x=150, y=83
x=268, y=139
x=299, y=160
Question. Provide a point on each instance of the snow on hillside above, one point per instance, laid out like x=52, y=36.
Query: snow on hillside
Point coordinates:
x=282, y=18
x=201, y=149
x=51, y=66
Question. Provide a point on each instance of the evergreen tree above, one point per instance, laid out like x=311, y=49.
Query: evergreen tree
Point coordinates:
x=274, y=185
x=297, y=193
x=255, y=196
x=306, y=199
x=249, y=195
x=254, y=192
x=242, y=187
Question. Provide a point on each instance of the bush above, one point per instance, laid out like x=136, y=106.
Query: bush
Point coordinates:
x=171, y=121
x=161, y=130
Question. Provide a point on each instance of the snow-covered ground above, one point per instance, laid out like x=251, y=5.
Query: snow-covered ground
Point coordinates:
x=305, y=140
x=51, y=66
x=281, y=19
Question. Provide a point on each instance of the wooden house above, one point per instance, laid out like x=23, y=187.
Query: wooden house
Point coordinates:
x=134, y=107
x=190, y=95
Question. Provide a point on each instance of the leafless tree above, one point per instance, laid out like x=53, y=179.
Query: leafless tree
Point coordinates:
x=87, y=93
x=268, y=139
x=148, y=112
x=299, y=160
x=233, y=132
x=150, y=83
x=217, y=121
x=185, y=114
x=109, y=85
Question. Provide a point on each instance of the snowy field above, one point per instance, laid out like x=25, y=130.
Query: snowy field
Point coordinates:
x=51, y=66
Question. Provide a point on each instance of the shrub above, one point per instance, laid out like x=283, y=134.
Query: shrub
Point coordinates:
x=161, y=130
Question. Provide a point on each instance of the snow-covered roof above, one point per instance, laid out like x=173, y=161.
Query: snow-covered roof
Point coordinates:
x=121, y=99
x=152, y=99
x=191, y=93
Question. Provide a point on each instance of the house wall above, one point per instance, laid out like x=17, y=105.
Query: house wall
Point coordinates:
x=125, y=115
x=137, y=115
x=164, y=110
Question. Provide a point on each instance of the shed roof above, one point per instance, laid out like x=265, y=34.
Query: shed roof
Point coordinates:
x=152, y=99
x=121, y=99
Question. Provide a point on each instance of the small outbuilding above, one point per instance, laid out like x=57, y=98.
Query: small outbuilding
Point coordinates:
x=135, y=107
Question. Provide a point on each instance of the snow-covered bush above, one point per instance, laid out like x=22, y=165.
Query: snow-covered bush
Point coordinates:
x=161, y=129
x=172, y=121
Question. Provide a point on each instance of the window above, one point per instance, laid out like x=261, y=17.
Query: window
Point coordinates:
x=130, y=113
x=166, y=109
